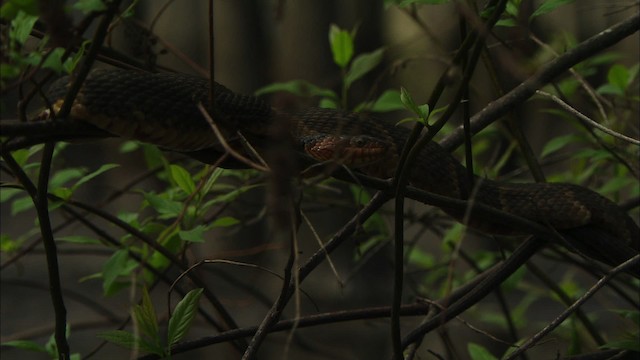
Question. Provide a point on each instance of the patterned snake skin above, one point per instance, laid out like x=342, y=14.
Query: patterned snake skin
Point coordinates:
x=162, y=109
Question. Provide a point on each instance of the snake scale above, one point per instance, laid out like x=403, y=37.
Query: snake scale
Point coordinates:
x=162, y=109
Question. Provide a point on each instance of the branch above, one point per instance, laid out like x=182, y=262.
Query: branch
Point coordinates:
x=553, y=69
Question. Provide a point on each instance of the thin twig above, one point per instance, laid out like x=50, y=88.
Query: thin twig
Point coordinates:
x=627, y=265
x=225, y=144
x=587, y=120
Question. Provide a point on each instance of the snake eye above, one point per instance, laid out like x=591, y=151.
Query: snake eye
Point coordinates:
x=359, y=141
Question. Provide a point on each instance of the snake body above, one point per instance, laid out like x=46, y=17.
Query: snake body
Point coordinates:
x=162, y=109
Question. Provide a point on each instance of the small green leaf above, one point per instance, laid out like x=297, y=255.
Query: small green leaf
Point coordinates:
x=421, y=258
x=129, y=146
x=7, y=193
x=119, y=337
x=145, y=315
x=388, y=101
x=548, y=6
x=478, y=352
x=362, y=65
x=182, y=178
x=21, y=26
x=113, y=268
x=163, y=206
x=215, y=175
x=25, y=345
x=153, y=156
x=9, y=71
x=10, y=9
x=87, y=6
x=9, y=245
x=21, y=204
x=100, y=170
x=341, y=45
x=558, y=143
x=407, y=100
x=225, y=221
x=421, y=111
x=182, y=316
x=54, y=60
x=327, y=103
x=79, y=239
x=297, y=87
x=616, y=184
x=618, y=76
x=194, y=235
x=65, y=175
x=62, y=192
x=230, y=196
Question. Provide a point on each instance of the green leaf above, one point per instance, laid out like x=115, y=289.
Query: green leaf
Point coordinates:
x=421, y=258
x=183, y=316
x=609, y=89
x=113, y=268
x=548, y=6
x=7, y=193
x=230, y=196
x=11, y=8
x=421, y=111
x=215, y=175
x=87, y=6
x=558, y=143
x=62, y=192
x=341, y=45
x=194, y=235
x=388, y=101
x=153, y=156
x=225, y=221
x=21, y=26
x=616, y=184
x=25, y=345
x=9, y=245
x=618, y=76
x=119, y=337
x=182, y=178
x=297, y=87
x=9, y=71
x=21, y=204
x=65, y=175
x=362, y=65
x=79, y=239
x=145, y=315
x=72, y=62
x=129, y=146
x=54, y=60
x=327, y=103
x=163, y=206
x=100, y=170
x=507, y=22
x=478, y=352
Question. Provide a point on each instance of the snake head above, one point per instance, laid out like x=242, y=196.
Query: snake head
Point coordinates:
x=354, y=151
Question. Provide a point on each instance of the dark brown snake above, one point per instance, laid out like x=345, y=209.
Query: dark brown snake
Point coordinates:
x=162, y=109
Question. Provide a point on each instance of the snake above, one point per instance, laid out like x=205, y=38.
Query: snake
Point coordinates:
x=162, y=109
